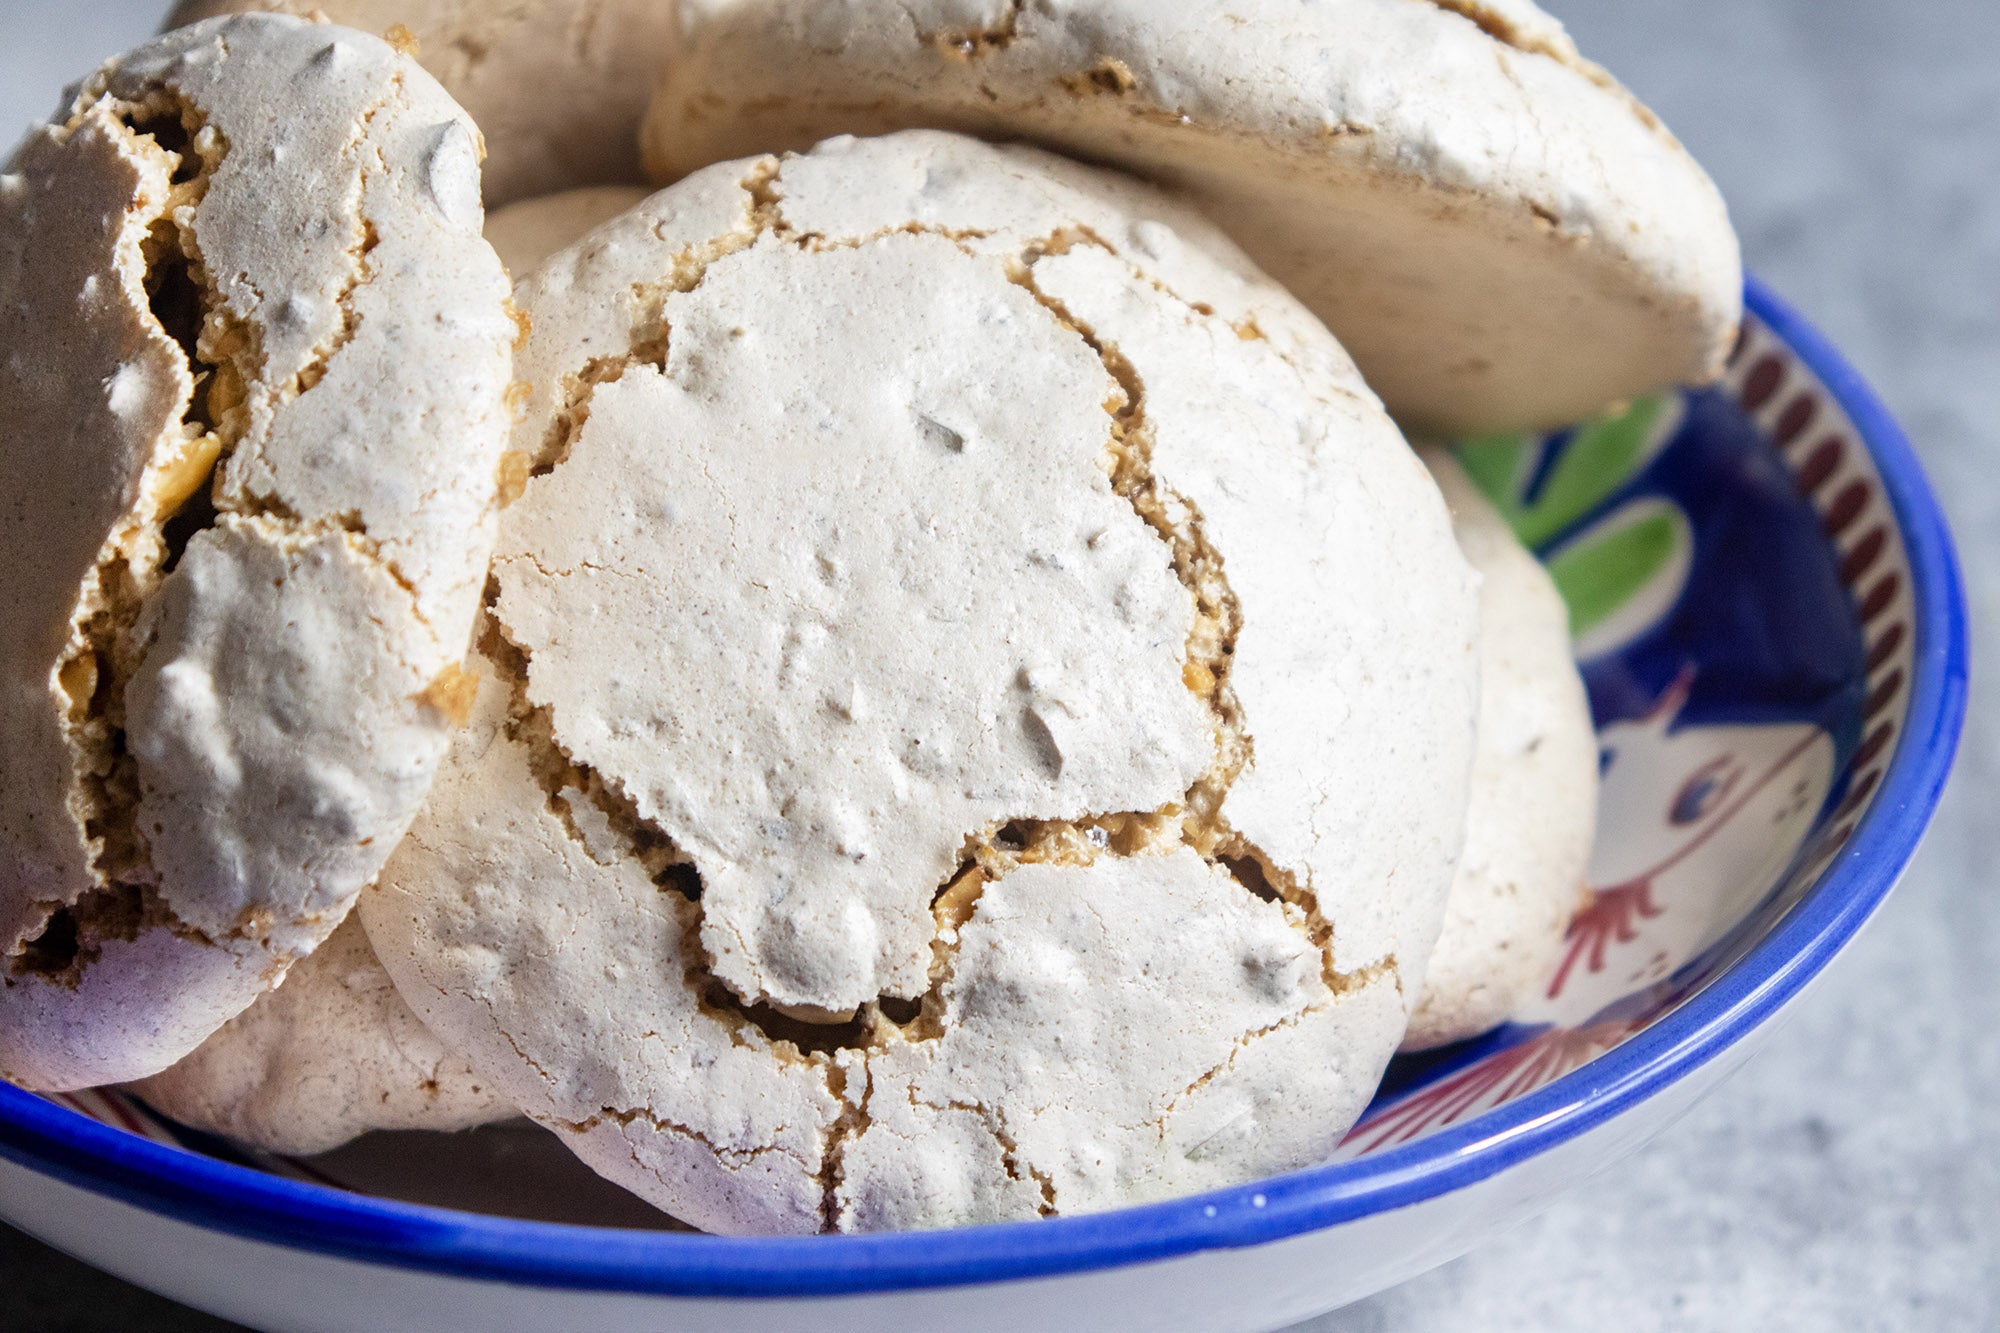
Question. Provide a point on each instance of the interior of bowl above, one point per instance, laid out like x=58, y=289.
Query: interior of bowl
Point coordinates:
x=1767, y=616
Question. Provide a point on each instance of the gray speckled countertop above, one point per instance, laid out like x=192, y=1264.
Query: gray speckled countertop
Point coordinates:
x=1850, y=1177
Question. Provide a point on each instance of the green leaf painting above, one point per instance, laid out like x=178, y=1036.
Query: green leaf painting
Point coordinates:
x=1595, y=461
x=1626, y=570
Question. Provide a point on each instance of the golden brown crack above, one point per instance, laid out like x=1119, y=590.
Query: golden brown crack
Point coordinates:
x=104, y=651
x=1512, y=36
x=236, y=345
x=1501, y=29
x=812, y=1037
x=647, y=343
x=571, y=787
x=1195, y=821
x=852, y=1121
x=627, y=1116
x=970, y=44
x=564, y=780
x=1211, y=646
x=1014, y=1165
x=179, y=498
x=75, y=935
x=1109, y=76
x=361, y=248
x=310, y=376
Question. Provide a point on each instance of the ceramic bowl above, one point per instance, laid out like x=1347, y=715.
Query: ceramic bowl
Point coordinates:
x=1770, y=621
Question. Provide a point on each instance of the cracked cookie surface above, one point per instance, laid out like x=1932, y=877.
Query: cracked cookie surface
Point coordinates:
x=1501, y=235
x=335, y=1052
x=557, y=86
x=250, y=505
x=972, y=663
x=1533, y=816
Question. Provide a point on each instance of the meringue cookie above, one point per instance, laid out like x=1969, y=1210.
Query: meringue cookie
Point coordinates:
x=1534, y=788
x=335, y=1052
x=256, y=369
x=976, y=710
x=558, y=86
x=1502, y=236
x=330, y=1055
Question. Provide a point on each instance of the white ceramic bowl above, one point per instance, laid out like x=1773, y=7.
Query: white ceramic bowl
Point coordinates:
x=1771, y=623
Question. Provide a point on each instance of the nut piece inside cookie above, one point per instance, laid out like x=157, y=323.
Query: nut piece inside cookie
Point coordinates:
x=176, y=156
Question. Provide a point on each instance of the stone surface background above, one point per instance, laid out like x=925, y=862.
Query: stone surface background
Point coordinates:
x=1850, y=1177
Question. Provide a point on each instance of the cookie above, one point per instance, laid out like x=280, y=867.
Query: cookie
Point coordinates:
x=1534, y=788
x=335, y=1052
x=558, y=86
x=256, y=370
x=1502, y=236
x=330, y=1055
x=977, y=706
x=528, y=232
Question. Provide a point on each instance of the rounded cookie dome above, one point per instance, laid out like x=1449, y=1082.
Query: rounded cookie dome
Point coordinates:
x=977, y=706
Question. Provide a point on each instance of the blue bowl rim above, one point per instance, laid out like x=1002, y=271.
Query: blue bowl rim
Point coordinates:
x=69, y=1147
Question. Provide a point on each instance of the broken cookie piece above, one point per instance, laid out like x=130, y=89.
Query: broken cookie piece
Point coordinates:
x=1502, y=236
x=331, y=1054
x=256, y=368
x=972, y=666
x=1533, y=816
x=557, y=86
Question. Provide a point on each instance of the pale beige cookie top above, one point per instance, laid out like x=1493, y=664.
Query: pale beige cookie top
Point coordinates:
x=526, y=233
x=331, y=1054
x=1534, y=788
x=255, y=369
x=1500, y=234
x=890, y=529
x=558, y=86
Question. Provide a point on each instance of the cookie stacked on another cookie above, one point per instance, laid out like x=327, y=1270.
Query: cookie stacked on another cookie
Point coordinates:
x=1533, y=816
x=336, y=1052
x=1502, y=236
